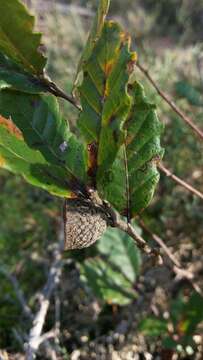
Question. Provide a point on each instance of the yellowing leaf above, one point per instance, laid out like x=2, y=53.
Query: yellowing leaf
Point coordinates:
x=94, y=35
x=2, y=161
x=11, y=127
x=130, y=183
x=103, y=93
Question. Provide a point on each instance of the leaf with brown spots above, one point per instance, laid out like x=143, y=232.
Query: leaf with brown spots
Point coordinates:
x=94, y=36
x=103, y=93
x=130, y=183
x=92, y=162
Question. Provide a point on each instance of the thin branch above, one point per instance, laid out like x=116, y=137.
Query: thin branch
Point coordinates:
x=171, y=103
x=142, y=244
x=46, y=336
x=20, y=296
x=58, y=92
x=35, y=337
x=179, y=181
x=57, y=316
x=26, y=309
x=129, y=229
x=177, y=267
x=161, y=243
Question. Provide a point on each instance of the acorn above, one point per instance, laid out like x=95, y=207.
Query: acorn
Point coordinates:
x=84, y=223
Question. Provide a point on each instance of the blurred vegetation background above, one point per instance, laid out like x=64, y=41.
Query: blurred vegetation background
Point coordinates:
x=114, y=304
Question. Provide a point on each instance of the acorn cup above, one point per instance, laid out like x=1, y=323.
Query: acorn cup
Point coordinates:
x=84, y=223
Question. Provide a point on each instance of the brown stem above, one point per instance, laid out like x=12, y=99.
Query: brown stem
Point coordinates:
x=179, y=181
x=141, y=243
x=117, y=222
x=161, y=243
x=171, y=103
x=58, y=92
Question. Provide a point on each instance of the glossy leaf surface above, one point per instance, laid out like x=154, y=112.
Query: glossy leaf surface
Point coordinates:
x=43, y=129
x=16, y=156
x=130, y=183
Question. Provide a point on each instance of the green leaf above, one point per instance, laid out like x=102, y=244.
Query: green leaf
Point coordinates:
x=106, y=282
x=187, y=315
x=130, y=183
x=17, y=39
x=152, y=326
x=169, y=343
x=186, y=90
x=112, y=275
x=44, y=129
x=194, y=312
x=104, y=97
x=12, y=76
x=17, y=157
x=94, y=35
x=120, y=250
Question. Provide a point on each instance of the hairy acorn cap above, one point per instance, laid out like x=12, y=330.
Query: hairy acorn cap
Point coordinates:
x=84, y=223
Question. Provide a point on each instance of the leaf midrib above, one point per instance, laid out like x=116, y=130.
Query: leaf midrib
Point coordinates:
x=16, y=50
x=25, y=160
x=51, y=150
